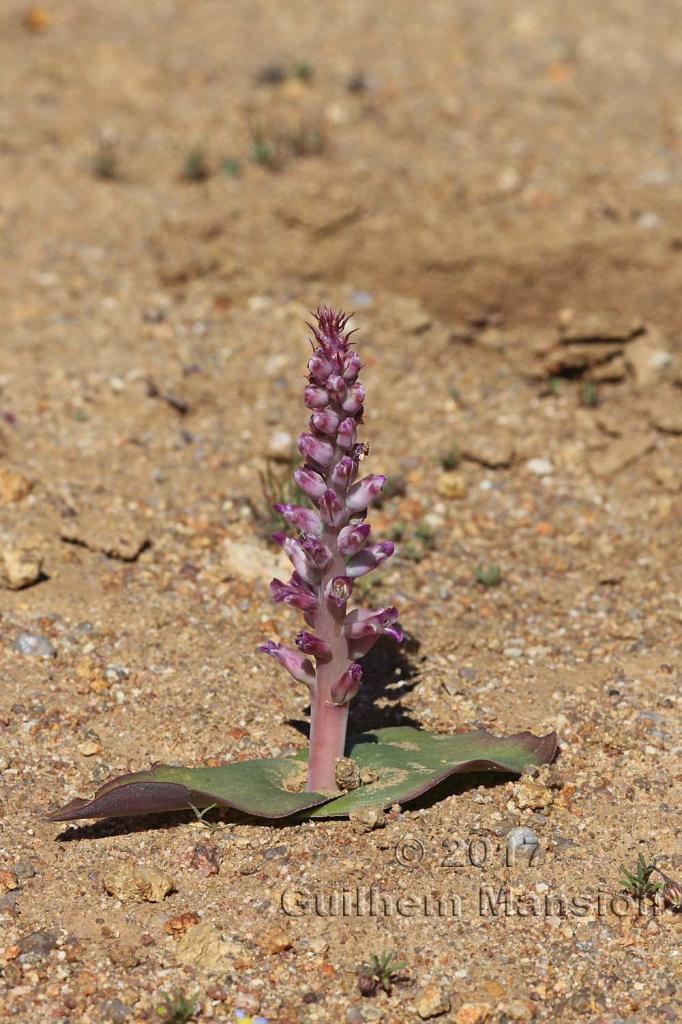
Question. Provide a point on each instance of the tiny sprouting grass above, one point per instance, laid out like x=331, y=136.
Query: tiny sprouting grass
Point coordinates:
x=196, y=167
x=588, y=395
x=638, y=883
x=263, y=152
x=488, y=575
x=177, y=1008
x=278, y=487
x=398, y=531
x=303, y=70
x=425, y=532
x=105, y=163
x=417, y=544
x=231, y=167
x=451, y=457
x=551, y=388
x=211, y=826
x=380, y=971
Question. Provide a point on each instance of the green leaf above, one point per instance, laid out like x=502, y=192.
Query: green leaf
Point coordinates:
x=254, y=787
x=406, y=762
x=409, y=762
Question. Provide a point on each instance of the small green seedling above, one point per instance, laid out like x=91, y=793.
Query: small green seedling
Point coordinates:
x=177, y=1008
x=195, y=167
x=588, y=395
x=264, y=152
x=425, y=533
x=451, y=458
x=105, y=163
x=489, y=575
x=381, y=971
x=231, y=168
x=416, y=549
x=200, y=815
x=303, y=70
x=639, y=884
x=278, y=487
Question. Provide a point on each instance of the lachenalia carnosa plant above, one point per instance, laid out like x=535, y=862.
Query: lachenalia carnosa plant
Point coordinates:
x=330, y=547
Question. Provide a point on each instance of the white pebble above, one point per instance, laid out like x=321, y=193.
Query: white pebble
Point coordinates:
x=541, y=467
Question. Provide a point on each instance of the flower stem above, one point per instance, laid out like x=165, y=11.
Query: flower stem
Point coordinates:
x=328, y=721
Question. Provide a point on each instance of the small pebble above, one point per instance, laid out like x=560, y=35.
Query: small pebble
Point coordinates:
x=273, y=940
x=318, y=945
x=275, y=851
x=522, y=842
x=451, y=485
x=89, y=748
x=23, y=870
x=37, y=943
x=433, y=1001
x=354, y=1015
x=474, y=1013
x=20, y=565
x=281, y=445
x=33, y=645
x=540, y=467
x=116, y=1011
x=365, y=819
x=531, y=795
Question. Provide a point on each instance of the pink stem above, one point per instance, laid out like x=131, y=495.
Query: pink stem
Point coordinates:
x=328, y=721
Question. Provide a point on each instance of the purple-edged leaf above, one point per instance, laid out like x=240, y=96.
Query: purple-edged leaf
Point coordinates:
x=407, y=762
x=254, y=787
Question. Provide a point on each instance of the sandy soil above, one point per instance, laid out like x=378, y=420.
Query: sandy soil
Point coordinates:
x=496, y=190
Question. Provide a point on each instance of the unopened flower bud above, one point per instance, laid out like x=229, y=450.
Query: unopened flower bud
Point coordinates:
x=347, y=685
x=310, y=482
x=347, y=432
x=326, y=422
x=315, y=397
x=364, y=492
x=351, y=367
x=319, y=369
x=298, y=557
x=294, y=594
x=304, y=519
x=316, y=552
x=336, y=385
x=344, y=472
x=354, y=399
x=363, y=622
x=313, y=448
x=353, y=538
x=332, y=509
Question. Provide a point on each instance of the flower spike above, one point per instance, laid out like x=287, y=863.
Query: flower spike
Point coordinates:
x=332, y=548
